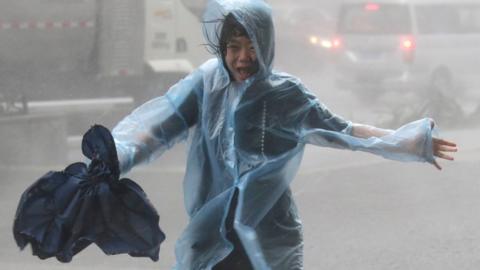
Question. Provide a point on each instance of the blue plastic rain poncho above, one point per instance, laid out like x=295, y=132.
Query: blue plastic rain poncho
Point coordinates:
x=247, y=137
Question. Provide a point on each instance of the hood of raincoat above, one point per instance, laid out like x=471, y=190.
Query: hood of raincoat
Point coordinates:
x=255, y=16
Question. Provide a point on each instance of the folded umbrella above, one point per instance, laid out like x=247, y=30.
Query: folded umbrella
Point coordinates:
x=63, y=212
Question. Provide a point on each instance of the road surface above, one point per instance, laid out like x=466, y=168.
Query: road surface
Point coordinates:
x=359, y=212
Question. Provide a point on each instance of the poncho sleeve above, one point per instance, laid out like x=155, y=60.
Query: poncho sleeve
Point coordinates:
x=317, y=116
x=411, y=142
x=158, y=124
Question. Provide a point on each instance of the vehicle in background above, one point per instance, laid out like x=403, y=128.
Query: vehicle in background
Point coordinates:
x=299, y=31
x=173, y=42
x=429, y=49
x=67, y=49
x=67, y=64
x=94, y=60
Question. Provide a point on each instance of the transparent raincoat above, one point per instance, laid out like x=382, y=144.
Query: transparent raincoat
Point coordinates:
x=247, y=138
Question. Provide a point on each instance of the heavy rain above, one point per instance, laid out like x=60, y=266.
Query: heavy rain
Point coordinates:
x=67, y=65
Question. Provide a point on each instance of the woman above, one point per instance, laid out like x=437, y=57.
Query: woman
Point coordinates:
x=250, y=125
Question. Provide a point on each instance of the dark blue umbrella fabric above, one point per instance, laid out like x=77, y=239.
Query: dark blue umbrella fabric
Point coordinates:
x=64, y=212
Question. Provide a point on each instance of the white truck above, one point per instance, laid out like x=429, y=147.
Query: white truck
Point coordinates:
x=73, y=63
x=79, y=49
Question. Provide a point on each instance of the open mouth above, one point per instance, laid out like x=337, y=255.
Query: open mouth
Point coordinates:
x=245, y=72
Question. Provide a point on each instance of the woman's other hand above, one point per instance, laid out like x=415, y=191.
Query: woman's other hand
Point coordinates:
x=440, y=149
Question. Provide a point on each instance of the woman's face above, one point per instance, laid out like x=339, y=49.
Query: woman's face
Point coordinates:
x=240, y=58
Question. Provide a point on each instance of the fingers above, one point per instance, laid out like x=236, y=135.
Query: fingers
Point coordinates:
x=444, y=156
x=444, y=148
x=443, y=142
x=440, y=146
x=435, y=163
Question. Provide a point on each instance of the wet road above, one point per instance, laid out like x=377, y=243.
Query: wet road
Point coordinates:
x=359, y=212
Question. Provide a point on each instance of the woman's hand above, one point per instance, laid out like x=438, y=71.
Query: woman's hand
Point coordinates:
x=440, y=148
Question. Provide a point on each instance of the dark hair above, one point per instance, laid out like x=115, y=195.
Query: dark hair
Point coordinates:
x=230, y=28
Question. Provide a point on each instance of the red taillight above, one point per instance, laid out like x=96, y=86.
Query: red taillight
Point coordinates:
x=332, y=44
x=407, y=44
x=372, y=7
x=336, y=43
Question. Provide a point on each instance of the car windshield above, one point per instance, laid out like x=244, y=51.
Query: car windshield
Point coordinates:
x=381, y=19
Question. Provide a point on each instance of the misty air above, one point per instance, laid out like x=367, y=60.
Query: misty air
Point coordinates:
x=266, y=134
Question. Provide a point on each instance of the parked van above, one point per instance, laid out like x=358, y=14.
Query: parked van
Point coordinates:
x=431, y=47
